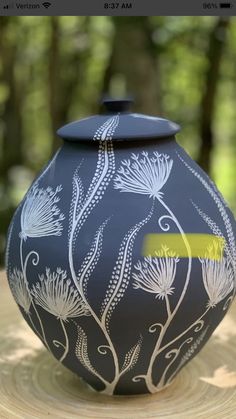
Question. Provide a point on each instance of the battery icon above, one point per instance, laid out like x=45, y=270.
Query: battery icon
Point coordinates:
x=225, y=5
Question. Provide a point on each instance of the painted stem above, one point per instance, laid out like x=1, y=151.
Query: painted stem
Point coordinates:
x=23, y=267
x=33, y=326
x=83, y=209
x=188, y=252
x=167, y=306
x=162, y=380
x=184, y=332
x=74, y=278
x=176, y=353
x=66, y=346
x=148, y=378
x=106, y=311
x=109, y=341
x=119, y=281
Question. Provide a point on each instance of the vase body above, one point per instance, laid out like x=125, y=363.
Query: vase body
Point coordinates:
x=92, y=273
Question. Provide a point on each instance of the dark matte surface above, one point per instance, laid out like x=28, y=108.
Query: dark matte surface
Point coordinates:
x=131, y=127
x=137, y=310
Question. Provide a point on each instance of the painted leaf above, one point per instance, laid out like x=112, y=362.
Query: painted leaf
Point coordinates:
x=104, y=171
x=189, y=353
x=131, y=357
x=81, y=351
x=104, y=135
x=121, y=272
x=91, y=259
x=216, y=198
x=77, y=197
x=214, y=228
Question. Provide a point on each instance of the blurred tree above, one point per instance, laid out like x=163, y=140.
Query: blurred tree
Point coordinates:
x=54, y=69
x=11, y=123
x=133, y=66
x=65, y=71
x=11, y=108
x=217, y=40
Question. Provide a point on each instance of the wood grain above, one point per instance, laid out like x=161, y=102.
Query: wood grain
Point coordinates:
x=34, y=385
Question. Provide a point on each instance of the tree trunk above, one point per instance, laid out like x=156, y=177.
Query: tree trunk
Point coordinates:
x=11, y=117
x=133, y=60
x=12, y=139
x=64, y=71
x=216, y=45
x=54, y=80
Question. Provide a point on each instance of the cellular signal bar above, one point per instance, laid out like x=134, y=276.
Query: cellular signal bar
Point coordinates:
x=117, y=8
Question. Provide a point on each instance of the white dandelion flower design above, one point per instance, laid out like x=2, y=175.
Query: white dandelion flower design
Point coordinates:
x=19, y=289
x=218, y=275
x=156, y=274
x=146, y=175
x=55, y=294
x=40, y=214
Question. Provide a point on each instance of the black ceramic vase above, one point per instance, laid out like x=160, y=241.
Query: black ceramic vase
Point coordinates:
x=122, y=254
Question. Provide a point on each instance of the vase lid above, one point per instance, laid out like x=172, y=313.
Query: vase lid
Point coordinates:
x=131, y=126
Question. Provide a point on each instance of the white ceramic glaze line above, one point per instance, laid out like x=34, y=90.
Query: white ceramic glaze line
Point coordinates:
x=104, y=171
x=188, y=354
x=34, y=215
x=91, y=259
x=218, y=276
x=216, y=231
x=175, y=352
x=185, y=240
x=85, y=209
x=122, y=282
x=102, y=323
x=228, y=302
x=220, y=207
x=55, y=294
x=66, y=346
x=108, y=157
x=81, y=352
x=20, y=206
x=40, y=215
x=126, y=259
x=230, y=248
x=147, y=175
x=92, y=194
x=195, y=323
x=90, y=262
x=84, y=212
x=131, y=357
x=149, y=380
x=167, y=306
x=104, y=134
x=144, y=175
x=8, y=245
x=47, y=167
x=20, y=290
x=24, y=267
x=157, y=274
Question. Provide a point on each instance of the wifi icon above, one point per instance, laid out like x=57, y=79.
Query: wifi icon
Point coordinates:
x=46, y=4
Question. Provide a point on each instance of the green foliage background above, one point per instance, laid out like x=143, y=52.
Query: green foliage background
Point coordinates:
x=55, y=69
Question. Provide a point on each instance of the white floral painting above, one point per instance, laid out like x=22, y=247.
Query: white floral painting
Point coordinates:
x=62, y=293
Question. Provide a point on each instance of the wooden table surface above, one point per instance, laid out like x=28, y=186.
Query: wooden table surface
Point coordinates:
x=34, y=385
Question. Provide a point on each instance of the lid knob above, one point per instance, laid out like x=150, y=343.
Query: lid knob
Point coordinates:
x=117, y=105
